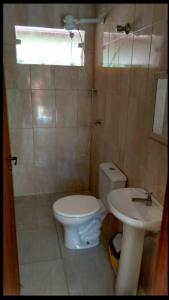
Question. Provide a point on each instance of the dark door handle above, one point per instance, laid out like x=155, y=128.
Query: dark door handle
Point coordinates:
x=14, y=158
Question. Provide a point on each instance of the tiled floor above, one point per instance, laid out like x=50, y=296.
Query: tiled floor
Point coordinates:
x=46, y=266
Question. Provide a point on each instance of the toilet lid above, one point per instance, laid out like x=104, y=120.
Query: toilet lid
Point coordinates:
x=76, y=206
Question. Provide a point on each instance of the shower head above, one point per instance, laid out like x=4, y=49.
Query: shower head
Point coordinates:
x=71, y=22
x=126, y=28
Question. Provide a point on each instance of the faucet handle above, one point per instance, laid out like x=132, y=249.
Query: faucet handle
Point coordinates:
x=149, y=194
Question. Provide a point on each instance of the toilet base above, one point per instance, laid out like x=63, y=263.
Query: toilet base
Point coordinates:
x=73, y=241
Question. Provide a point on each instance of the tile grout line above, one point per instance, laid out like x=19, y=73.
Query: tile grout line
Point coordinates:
x=62, y=258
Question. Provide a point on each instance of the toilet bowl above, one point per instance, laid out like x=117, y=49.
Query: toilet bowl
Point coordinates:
x=82, y=216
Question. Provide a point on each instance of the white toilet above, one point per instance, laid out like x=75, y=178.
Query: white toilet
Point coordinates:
x=81, y=216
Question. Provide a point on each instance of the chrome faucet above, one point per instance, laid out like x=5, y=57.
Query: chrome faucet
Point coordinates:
x=148, y=200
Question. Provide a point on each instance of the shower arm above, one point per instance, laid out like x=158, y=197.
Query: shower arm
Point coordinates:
x=89, y=21
x=71, y=22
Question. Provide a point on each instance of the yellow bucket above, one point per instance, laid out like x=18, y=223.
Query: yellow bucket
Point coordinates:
x=114, y=261
x=114, y=250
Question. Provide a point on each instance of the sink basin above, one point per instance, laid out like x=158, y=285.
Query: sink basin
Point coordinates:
x=136, y=218
x=136, y=214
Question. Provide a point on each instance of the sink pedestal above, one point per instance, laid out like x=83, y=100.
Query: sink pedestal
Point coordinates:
x=130, y=261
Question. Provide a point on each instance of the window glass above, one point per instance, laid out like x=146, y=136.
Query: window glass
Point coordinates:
x=48, y=46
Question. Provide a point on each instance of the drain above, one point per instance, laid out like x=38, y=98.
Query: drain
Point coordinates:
x=112, y=168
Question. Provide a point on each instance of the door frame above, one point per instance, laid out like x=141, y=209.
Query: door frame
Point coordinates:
x=11, y=281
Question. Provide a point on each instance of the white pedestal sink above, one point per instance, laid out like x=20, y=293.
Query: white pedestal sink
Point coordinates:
x=136, y=217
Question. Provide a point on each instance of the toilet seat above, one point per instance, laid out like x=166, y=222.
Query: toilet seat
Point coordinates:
x=76, y=206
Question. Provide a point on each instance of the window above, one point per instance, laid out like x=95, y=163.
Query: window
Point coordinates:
x=48, y=46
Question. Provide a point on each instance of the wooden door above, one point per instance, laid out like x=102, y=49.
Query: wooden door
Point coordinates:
x=160, y=278
x=11, y=284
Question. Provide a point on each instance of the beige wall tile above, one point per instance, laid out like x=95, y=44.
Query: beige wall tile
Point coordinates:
x=135, y=143
x=66, y=77
x=84, y=79
x=157, y=160
x=8, y=32
x=24, y=180
x=45, y=179
x=42, y=77
x=76, y=9
x=124, y=81
x=21, y=141
x=9, y=54
x=17, y=76
x=160, y=12
x=9, y=10
x=130, y=105
x=43, y=104
x=98, y=57
x=72, y=176
x=57, y=17
x=97, y=156
x=64, y=80
x=13, y=14
x=83, y=108
x=101, y=9
x=114, y=109
x=120, y=14
x=83, y=172
x=16, y=13
x=86, y=11
x=66, y=108
x=19, y=108
x=83, y=144
x=45, y=147
x=138, y=82
x=89, y=36
x=66, y=176
x=43, y=16
x=159, y=54
x=129, y=100
x=98, y=106
x=102, y=78
x=85, y=74
x=143, y=15
x=66, y=144
x=113, y=80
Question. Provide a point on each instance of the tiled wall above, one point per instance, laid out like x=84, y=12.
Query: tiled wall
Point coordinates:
x=125, y=103
x=125, y=95
x=53, y=149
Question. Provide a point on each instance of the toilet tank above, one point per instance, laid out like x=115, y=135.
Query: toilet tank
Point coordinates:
x=110, y=178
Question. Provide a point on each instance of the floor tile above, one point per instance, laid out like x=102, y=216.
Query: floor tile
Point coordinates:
x=89, y=274
x=32, y=217
x=44, y=278
x=45, y=217
x=26, y=217
x=46, y=266
x=33, y=201
x=25, y=201
x=43, y=200
x=37, y=245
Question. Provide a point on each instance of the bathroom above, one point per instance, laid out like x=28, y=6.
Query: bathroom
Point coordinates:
x=66, y=119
